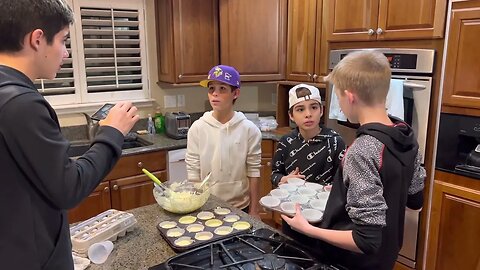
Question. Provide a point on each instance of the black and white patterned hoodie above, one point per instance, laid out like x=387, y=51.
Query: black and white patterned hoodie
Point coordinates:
x=317, y=158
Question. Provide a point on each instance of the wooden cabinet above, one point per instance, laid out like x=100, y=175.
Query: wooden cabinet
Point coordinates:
x=253, y=38
x=97, y=202
x=454, y=232
x=305, y=41
x=265, y=177
x=461, y=85
x=125, y=187
x=365, y=20
x=187, y=39
x=247, y=34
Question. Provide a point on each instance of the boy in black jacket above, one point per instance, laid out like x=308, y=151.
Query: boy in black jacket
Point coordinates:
x=38, y=180
x=380, y=175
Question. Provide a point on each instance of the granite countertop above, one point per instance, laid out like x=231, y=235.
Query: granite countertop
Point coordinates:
x=163, y=142
x=144, y=247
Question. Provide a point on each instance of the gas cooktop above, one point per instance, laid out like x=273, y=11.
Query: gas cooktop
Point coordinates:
x=261, y=249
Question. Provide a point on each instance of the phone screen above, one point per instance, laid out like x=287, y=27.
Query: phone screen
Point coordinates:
x=102, y=112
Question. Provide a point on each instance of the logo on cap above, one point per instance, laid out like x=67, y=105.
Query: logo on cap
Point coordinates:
x=218, y=72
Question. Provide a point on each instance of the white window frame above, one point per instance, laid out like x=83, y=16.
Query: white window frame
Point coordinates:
x=81, y=100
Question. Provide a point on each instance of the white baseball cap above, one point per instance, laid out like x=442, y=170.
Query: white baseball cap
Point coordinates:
x=302, y=92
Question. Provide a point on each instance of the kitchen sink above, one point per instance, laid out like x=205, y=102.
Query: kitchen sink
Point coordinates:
x=79, y=149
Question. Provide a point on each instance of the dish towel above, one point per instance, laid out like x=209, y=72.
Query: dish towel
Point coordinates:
x=394, y=102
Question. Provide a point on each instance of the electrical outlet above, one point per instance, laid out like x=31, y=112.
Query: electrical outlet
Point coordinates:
x=180, y=100
x=170, y=101
x=274, y=98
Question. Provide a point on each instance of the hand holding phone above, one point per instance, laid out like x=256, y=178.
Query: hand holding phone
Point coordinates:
x=102, y=112
x=121, y=116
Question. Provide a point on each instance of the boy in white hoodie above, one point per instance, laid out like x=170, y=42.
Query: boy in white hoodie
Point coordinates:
x=225, y=143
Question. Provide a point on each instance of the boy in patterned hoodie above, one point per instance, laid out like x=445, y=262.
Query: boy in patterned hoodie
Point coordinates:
x=380, y=175
x=311, y=151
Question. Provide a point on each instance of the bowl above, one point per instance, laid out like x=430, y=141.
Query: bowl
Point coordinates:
x=318, y=204
x=307, y=192
x=279, y=193
x=312, y=215
x=288, y=187
x=296, y=181
x=181, y=198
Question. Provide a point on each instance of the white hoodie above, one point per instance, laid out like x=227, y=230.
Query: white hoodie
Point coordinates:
x=230, y=151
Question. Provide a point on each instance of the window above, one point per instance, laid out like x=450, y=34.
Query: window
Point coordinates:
x=107, y=55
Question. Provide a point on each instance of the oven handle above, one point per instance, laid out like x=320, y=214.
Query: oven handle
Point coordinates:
x=414, y=85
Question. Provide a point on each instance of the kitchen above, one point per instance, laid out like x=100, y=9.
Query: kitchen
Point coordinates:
x=300, y=36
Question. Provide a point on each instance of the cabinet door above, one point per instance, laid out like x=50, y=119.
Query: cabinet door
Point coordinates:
x=348, y=20
x=461, y=87
x=253, y=38
x=411, y=19
x=266, y=187
x=97, y=202
x=187, y=39
x=301, y=37
x=133, y=192
x=454, y=228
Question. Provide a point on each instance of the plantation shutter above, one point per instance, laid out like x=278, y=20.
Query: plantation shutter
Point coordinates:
x=112, y=49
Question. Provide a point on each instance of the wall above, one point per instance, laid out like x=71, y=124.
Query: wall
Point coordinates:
x=253, y=97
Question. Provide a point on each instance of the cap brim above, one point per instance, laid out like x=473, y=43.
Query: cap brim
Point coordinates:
x=204, y=83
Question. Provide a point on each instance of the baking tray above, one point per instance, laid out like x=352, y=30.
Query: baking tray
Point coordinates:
x=175, y=241
x=312, y=201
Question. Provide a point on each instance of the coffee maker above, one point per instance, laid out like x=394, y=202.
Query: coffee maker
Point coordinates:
x=458, y=149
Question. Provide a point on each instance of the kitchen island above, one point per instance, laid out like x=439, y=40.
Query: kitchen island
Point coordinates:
x=144, y=246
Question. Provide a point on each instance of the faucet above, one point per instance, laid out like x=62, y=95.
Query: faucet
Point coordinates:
x=92, y=127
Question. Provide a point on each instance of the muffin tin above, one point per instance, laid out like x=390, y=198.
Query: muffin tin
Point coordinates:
x=311, y=197
x=105, y=226
x=201, y=227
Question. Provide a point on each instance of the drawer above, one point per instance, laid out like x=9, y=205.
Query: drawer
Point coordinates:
x=132, y=165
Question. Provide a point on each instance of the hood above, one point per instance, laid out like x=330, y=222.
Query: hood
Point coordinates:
x=209, y=119
x=13, y=77
x=10, y=76
x=399, y=138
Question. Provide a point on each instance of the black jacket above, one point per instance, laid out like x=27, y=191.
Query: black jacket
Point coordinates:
x=379, y=176
x=38, y=180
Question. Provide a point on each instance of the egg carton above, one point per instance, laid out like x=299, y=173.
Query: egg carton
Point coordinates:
x=105, y=226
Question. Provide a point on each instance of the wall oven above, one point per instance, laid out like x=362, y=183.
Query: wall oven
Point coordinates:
x=415, y=67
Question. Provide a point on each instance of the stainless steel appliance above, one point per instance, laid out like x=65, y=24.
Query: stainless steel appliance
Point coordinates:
x=261, y=249
x=458, y=149
x=415, y=67
x=177, y=125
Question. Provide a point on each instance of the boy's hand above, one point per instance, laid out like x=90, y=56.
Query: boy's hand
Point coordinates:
x=298, y=222
x=122, y=116
x=293, y=174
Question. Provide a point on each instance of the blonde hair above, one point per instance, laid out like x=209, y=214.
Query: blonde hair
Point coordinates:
x=366, y=73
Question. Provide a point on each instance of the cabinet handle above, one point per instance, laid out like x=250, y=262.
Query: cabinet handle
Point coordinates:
x=371, y=31
x=140, y=164
x=180, y=76
x=269, y=164
x=106, y=189
x=315, y=76
x=309, y=75
x=379, y=31
x=115, y=187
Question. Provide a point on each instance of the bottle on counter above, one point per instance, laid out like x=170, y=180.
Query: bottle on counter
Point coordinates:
x=150, y=125
x=159, y=121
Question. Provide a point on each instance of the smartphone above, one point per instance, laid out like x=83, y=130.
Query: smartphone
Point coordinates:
x=102, y=112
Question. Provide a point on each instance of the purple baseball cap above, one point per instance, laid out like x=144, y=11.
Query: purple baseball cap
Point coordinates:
x=222, y=73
